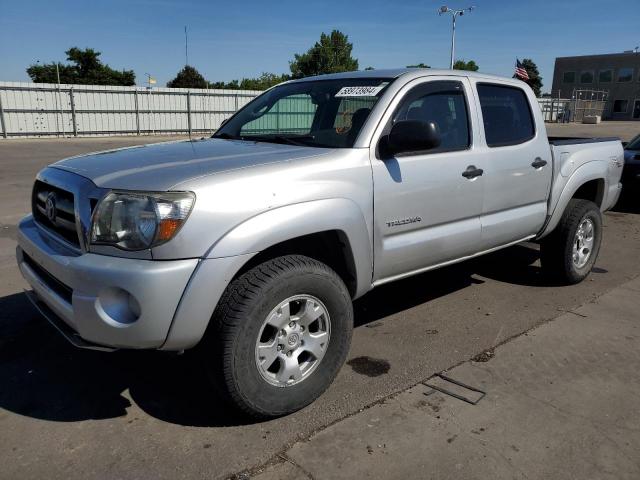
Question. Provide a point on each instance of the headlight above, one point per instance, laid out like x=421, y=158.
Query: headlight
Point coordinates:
x=138, y=220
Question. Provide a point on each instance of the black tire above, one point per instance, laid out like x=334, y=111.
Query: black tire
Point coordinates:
x=228, y=349
x=556, y=250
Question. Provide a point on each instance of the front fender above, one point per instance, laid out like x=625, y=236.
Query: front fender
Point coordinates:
x=228, y=255
x=562, y=193
x=292, y=221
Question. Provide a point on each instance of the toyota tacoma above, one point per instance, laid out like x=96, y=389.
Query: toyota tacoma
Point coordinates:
x=251, y=245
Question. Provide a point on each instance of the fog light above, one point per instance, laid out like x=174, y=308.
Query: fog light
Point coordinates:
x=117, y=307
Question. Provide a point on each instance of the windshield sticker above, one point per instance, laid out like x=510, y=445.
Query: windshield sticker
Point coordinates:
x=370, y=91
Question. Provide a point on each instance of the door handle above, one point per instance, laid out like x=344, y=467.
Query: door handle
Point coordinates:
x=538, y=163
x=472, y=172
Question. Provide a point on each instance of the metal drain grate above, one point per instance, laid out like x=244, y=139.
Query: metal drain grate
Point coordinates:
x=455, y=388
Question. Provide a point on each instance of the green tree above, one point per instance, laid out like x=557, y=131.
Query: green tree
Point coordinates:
x=535, y=80
x=462, y=65
x=419, y=65
x=332, y=54
x=232, y=85
x=85, y=68
x=264, y=81
x=188, y=77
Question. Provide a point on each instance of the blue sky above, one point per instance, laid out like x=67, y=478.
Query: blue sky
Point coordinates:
x=235, y=39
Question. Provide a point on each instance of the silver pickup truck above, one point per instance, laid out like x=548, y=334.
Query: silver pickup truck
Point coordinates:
x=251, y=245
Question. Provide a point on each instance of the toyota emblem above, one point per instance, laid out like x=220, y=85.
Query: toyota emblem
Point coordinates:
x=50, y=207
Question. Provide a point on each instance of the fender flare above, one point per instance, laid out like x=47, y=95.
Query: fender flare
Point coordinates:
x=292, y=221
x=231, y=252
x=594, y=170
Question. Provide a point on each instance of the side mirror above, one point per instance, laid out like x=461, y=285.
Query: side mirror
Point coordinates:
x=413, y=136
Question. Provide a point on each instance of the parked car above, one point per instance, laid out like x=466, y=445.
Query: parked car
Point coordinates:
x=251, y=245
x=631, y=172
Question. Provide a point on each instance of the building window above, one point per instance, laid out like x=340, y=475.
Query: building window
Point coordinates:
x=605, y=76
x=620, y=106
x=586, y=77
x=569, y=77
x=625, y=74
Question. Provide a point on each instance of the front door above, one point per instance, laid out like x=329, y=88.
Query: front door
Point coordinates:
x=426, y=211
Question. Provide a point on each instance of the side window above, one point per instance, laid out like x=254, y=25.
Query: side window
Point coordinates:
x=444, y=104
x=506, y=115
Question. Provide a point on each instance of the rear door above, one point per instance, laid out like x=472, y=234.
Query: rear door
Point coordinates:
x=425, y=211
x=517, y=164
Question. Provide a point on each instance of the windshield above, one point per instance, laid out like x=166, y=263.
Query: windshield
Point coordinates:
x=634, y=144
x=321, y=113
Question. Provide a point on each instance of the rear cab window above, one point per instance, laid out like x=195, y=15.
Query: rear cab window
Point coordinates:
x=506, y=115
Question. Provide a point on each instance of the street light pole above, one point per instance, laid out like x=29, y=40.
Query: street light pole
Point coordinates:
x=454, y=14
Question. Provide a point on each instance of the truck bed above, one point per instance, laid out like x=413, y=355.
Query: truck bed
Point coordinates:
x=595, y=156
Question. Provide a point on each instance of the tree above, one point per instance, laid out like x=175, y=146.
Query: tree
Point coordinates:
x=332, y=54
x=188, y=77
x=264, y=81
x=419, y=65
x=535, y=80
x=86, y=68
x=232, y=85
x=462, y=65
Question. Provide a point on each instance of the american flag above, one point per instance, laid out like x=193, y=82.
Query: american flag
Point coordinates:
x=521, y=72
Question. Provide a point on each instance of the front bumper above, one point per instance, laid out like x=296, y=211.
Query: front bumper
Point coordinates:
x=103, y=301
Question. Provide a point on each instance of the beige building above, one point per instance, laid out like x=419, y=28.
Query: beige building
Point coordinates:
x=616, y=73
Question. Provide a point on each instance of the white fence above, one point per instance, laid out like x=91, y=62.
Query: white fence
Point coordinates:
x=45, y=109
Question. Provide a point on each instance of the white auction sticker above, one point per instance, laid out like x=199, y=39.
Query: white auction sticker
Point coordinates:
x=370, y=91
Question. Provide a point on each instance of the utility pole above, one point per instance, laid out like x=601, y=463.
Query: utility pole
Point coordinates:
x=454, y=13
x=60, y=100
x=150, y=81
x=186, y=47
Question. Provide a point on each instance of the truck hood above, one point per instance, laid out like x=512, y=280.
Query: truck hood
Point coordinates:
x=159, y=167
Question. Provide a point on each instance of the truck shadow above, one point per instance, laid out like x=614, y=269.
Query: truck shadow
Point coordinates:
x=43, y=377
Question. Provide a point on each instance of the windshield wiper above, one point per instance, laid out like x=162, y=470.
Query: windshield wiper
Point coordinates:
x=227, y=136
x=298, y=140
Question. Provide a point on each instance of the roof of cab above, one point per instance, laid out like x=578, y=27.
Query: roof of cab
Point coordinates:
x=397, y=72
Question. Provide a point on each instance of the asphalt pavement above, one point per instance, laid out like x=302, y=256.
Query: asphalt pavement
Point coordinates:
x=558, y=402
x=78, y=414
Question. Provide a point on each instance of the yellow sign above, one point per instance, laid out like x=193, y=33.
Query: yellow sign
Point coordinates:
x=152, y=81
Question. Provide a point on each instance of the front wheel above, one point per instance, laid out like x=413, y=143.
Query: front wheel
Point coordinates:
x=279, y=336
x=570, y=251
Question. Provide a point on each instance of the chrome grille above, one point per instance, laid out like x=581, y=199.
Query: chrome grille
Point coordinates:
x=54, y=208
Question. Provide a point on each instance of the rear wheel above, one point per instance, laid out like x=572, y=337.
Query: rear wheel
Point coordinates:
x=279, y=336
x=570, y=251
